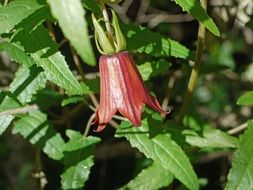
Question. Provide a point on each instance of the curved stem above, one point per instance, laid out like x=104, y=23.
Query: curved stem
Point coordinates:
x=195, y=69
x=107, y=21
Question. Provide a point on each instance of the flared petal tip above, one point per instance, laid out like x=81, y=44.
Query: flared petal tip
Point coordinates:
x=100, y=128
x=153, y=103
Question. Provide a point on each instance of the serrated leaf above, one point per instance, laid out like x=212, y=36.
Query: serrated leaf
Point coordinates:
x=16, y=53
x=246, y=99
x=241, y=174
x=194, y=8
x=15, y=12
x=35, y=19
x=5, y=121
x=70, y=16
x=28, y=82
x=212, y=138
x=163, y=150
x=44, y=51
x=35, y=128
x=146, y=180
x=143, y=40
x=78, y=160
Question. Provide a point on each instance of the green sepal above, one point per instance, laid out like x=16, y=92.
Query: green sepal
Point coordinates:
x=112, y=1
x=120, y=43
x=102, y=41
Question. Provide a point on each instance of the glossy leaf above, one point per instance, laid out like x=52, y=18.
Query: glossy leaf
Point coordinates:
x=246, y=99
x=241, y=174
x=44, y=51
x=70, y=16
x=163, y=150
x=78, y=160
x=15, y=12
x=194, y=8
x=35, y=128
x=146, y=180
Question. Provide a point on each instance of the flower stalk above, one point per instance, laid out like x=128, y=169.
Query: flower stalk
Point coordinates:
x=195, y=69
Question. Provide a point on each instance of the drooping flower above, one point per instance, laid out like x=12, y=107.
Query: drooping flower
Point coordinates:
x=121, y=86
x=122, y=89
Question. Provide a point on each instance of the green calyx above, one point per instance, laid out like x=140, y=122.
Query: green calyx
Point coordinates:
x=112, y=1
x=109, y=44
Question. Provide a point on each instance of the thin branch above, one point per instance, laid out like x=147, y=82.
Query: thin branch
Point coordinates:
x=5, y=2
x=195, y=70
x=77, y=62
x=22, y=110
x=238, y=129
x=106, y=20
x=88, y=125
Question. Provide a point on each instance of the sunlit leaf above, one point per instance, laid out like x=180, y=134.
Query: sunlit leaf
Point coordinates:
x=15, y=12
x=194, y=8
x=35, y=128
x=146, y=180
x=78, y=160
x=70, y=16
x=246, y=99
x=163, y=150
x=44, y=51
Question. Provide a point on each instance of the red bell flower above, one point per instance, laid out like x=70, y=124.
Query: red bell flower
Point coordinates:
x=122, y=89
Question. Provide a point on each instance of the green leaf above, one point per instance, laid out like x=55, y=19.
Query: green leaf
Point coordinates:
x=212, y=138
x=163, y=150
x=194, y=8
x=8, y=101
x=35, y=128
x=249, y=23
x=16, y=53
x=146, y=180
x=93, y=85
x=246, y=99
x=44, y=51
x=5, y=121
x=28, y=82
x=241, y=174
x=15, y=12
x=70, y=16
x=72, y=100
x=37, y=18
x=78, y=160
x=143, y=40
x=92, y=5
x=152, y=69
